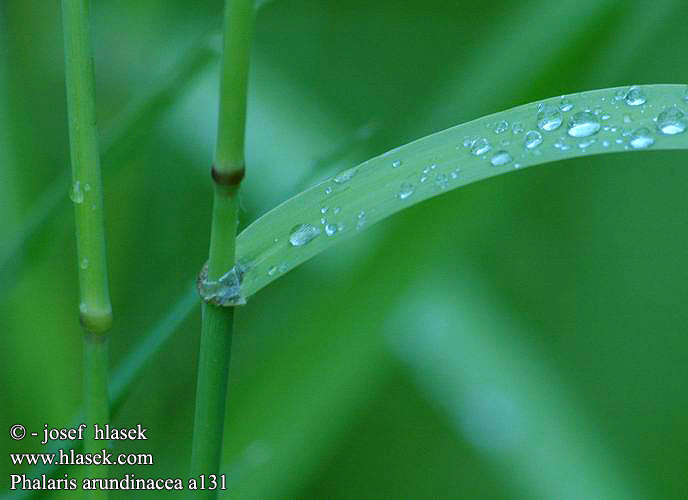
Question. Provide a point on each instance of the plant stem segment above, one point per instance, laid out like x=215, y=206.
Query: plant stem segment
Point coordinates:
x=87, y=195
x=86, y=191
x=227, y=173
x=96, y=401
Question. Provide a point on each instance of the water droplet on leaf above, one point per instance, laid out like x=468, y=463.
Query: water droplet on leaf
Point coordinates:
x=565, y=104
x=226, y=290
x=635, y=96
x=549, y=118
x=76, y=194
x=345, y=176
x=533, y=139
x=583, y=124
x=480, y=146
x=330, y=229
x=641, y=138
x=671, y=121
x=442, y=181
x=406, y=190
x=302, y=234
x=500, y=158
x=501, y=126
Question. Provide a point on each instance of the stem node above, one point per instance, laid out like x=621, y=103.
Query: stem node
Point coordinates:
x=228, y=179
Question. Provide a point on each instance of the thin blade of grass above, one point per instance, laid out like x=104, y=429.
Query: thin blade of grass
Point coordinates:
x=139, y=115
x=314, y=220
x=122, y=379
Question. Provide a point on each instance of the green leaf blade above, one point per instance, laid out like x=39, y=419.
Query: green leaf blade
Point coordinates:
x=381, y=187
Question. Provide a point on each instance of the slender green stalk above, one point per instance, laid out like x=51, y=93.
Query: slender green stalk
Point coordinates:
x=96, y=400
x=86, y=191
x=227, y=173
x=87, y=195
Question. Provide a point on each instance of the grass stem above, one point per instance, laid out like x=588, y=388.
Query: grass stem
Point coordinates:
x=227, y=173
x=87, y=194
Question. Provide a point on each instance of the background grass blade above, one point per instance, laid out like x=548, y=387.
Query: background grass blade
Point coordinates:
x=123, y=378
x=139, y=116
x=467, y=153
x=475, y=365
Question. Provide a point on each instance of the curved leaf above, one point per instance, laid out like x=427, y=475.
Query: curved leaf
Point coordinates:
x=608, y=121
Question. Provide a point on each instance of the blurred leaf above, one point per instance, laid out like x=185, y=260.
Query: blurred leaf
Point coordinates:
x=472, y=362
x=117, y=139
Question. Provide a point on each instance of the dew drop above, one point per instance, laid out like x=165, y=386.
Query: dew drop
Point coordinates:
x=302, y=234
x=361, y=220
x=423, y=178
x=533, y=139
x=671, y=121
x=480, y=146
x=549, y=118
x=641, y=138
x=500, y=158
x=635, y=96
x=565, y=104
x=76, y=194
x=442, y=181
x=583, y=124
x=328, y=190
x=517, y=128
x=406, y=190
x=283, y=267
x=84, y=263
x=396, y=164
x=330, y=229
x=627, y=119
x=345, y=176
x=337, y=210
x=501, y=126
x=455, y=173
x=272, y=270
x=224, y=291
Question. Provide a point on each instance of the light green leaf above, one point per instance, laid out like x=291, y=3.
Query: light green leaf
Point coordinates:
x=590, y=123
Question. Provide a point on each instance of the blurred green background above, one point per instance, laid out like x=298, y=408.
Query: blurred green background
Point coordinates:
x=523, y=337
